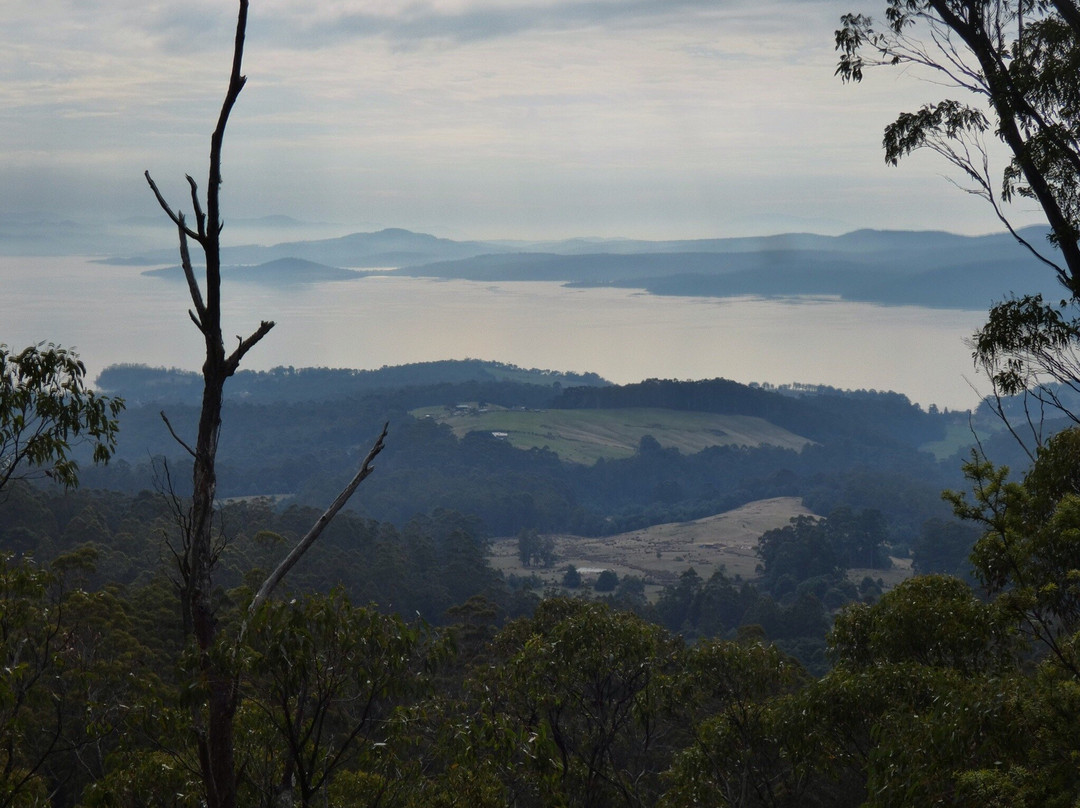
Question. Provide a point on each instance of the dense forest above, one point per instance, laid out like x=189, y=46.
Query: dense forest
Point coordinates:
x=397, y=667
x=931, y=693
x=417, y=538
x=287, y=427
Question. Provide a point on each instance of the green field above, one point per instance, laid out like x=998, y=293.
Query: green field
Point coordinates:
x=961, y=436
x=585, y=436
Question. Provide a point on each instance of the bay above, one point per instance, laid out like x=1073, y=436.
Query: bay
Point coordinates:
x=116, y=315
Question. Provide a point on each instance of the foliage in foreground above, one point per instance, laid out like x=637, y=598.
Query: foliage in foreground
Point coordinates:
x=936, y=695
x=47, y=411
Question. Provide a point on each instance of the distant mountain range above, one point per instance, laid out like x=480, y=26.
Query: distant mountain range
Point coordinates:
x=930, y=269
x=391, y=247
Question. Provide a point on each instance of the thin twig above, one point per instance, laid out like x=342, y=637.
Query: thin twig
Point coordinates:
x=176, y=437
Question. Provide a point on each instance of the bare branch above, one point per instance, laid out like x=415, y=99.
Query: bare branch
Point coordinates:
x=233, y=362
x=177, y=220
x=1061, y=274
x=981, y=176
x=305, y=543
x=189, y=274
x=213, y=712
x=200, y=217
x=176, y=437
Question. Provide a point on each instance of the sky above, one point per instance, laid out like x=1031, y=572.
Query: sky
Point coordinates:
x=468, y=118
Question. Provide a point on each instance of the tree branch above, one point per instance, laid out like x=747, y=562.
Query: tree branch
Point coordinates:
x=177, y=220
x=176, y=437
x=233, y=362
x=200, y=217
x=304, y=544
x=189, y=274
x=236, y=84
x=985, y=190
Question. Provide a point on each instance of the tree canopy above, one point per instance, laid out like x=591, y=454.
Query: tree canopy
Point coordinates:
x=1015, y=62
x=47, y=412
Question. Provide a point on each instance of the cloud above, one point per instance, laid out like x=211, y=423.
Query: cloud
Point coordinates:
x=466, y=22
x=664, y=115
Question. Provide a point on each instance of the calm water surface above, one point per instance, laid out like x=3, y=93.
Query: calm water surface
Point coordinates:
x=114, y=314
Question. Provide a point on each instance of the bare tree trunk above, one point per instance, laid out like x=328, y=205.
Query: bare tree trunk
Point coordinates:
x=212, y=720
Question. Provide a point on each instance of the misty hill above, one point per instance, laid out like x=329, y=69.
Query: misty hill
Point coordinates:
x=391, y=247
x=45, y=233
x=767, y=273
x=968, y=285
x=892, y=268
x=857, y=241
x=932, y=269
x=277, y=272
x=589, y=269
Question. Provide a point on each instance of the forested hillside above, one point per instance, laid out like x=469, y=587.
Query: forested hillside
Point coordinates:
x=289, y=438
x=417, y=538
x=452, y=684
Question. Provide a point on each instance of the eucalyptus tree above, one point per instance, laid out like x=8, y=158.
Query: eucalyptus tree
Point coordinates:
x=69, y=667
x=1016, y=64
x=1015, y=61
x=578, y=707
x=47, y=412
x=326, y=680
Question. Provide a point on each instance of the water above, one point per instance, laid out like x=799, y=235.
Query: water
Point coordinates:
x=114, y=314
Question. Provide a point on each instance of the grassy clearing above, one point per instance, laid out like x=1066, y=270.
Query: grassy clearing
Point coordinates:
x=585, y=436
x=957, y=437
x=660, y=554
x=961, y=435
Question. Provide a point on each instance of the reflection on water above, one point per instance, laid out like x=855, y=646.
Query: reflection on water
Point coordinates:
x=114, y=314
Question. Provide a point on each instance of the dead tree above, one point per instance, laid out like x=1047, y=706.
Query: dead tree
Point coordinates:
x=217, y=680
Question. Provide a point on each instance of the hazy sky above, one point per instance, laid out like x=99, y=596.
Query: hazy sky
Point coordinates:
x=468, y=118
